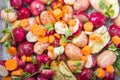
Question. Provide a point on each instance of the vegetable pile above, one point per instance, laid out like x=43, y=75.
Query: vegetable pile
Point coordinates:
x=59, y=40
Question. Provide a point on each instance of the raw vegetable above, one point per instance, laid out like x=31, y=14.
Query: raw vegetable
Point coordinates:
x=110, y=69
x=16, y=4
x=86, y=50
x=3, y=71
x=17, y=72
x=11, y=50
x=11, y=64
x=7, y=78
x=109, y=76
x=100, y=73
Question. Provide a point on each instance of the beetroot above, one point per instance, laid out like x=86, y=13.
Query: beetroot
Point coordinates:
x=46, y=73
x=28, y=1
x=16, y=57
x=36, y=7
x=25, y=48
x=16, y=4
x=109, y=76
x=19, y=34
x=21, y=64
x=86, y=74
x=98, y=19
x=24, y=13
x=30, y=68
x=48, y=33
x=56, y=42
x=114, y=30
x=43, y=58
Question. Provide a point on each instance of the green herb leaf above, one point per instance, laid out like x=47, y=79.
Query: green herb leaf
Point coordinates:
x=34, y=60
x=17, y=78
x=111, y=12
x=78, y=71
x=5, y=31
x=42, y=67
x=49, y=26
x=46, y=65
x=68, y=33
x=7, y=44
x=77, y=64
x=102, y=4
x=26, y=74
x=117, y=52
x=117, y=64
x=112, y=47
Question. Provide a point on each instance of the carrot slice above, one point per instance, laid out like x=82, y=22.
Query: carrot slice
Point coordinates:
x=116, y=40
x=29, y=59
x=24, y=58
x=17, y=72
x=12, y=50
x=37, y=30
x=110, y=69
x=24, y=23
x=57, y=35
x=11, y=64
x=51, y=39
x=50, y=48
x=72, y=22
x=88, y=26
x=100, y=73
x=57, y=14
x=7, y=78
x=38, y=20
x=84, y=58
x=86, y=50
x=43, y=39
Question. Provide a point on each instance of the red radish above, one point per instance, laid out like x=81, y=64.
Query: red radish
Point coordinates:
x=24, y=13
x=56, y=42
x=30, y=68
x=42, y=58
x=46, y=73
x=83, y=17
x=28, y=1
x=36, y=7
x=109, y=76
x=98, y=19
x=77, y=28
x=16, y=57
x=86, y=74
x=19, y=34
x=106, y=58
x=114, y=30
x=16, y=4
x=91, y=62
x=3, y=71
x=21, y=64
x=50, y=32
x=25, y=48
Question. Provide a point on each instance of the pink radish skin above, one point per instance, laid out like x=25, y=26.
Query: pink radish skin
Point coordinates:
x=91, y=62
x=106, y=58
x=83, y=17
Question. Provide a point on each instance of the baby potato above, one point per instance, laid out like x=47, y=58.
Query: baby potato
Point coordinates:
x=80, y=40
x=39, y=47
x=75, y=65
x=10, y=17
x=81, y=5
x=106, y=58
x=73, y=52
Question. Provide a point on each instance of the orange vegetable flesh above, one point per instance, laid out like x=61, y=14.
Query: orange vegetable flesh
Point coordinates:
x=110, y=69
x=50, y=48
x=57, y=14
x=29, y=59
x=88, y=26
x=100, y=73
x=57, y=35
x=11, y=64
x=7, y=78
x=51, y=39
x=43, y=39
x=11, y=51
x=72, y=22
x=86, y=50
x=84, y=58
x=17, y=73
x=24, y=58
x=24, y=23
x=38, y=20
x=116, y=39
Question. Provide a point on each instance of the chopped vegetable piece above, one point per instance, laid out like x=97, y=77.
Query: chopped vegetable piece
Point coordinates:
x=12, y=50
x=116, y=39
x=100, y=73
x=51, y=39
x=86, y=50
x=43, y=39
x=88, y=26
x=24, y=23
x=110, y=69
x=7, y=78
x=17, y=72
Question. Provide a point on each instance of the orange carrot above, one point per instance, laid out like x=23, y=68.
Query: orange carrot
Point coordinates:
x=29, y=59
x=86, y=50
x=63, y=44
x=110, y=69
x=15, y=22
x=98, y=39
x=57, y=35
x=24, y=58
x=116, y=40
x=12, y=50
x=59, y=5
x=38, y=20
x=51, y=39
x=72, y=22
x=17, y=72
x=92, y=36
x=50, y=48
x=7, y=78
x=100, y=73
x=24, y=23
x=88, y=26
x=43, y=39
x=37, y=30
x=57, y=14
x=11, y=64
x=84, y=58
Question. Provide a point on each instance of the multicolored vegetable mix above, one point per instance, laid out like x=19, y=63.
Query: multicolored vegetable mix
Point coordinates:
x=60, y=40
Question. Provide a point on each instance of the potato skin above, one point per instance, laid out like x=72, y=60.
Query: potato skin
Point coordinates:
x=73, y=52
x=106, y=58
